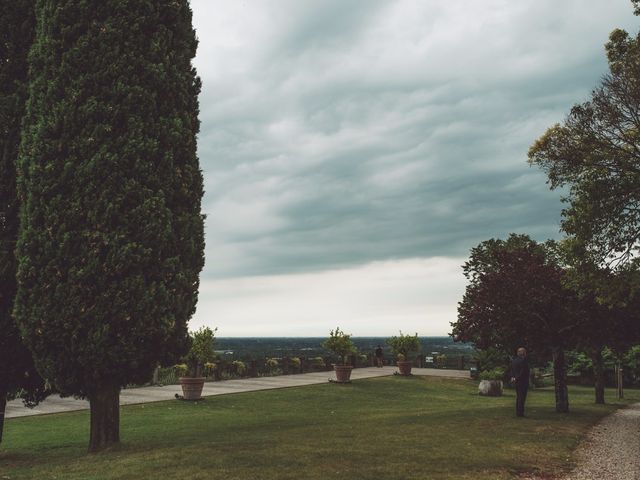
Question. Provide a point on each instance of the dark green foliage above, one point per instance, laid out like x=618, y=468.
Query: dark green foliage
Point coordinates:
x=201, y=351
x=403, y=345
x=516, y=297
x=17, y=23
x=596, y=154
x=340, y=343
x=111, y=240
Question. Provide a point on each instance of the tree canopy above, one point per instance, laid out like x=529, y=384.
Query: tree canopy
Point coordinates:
x=595, y=153
x=111, y=238
x=18, y=377
x=516, y=297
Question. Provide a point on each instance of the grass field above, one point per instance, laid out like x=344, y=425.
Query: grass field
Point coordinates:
x=385, y=428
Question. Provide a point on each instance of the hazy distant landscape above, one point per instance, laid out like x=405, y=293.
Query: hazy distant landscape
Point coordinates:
x=260, y=347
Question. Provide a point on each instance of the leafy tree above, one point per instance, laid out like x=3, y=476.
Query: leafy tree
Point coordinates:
x=201, y=351
x=594, y=330
x=607, y=303
x=340, y=343
x=515, y=297
x=403, y=345
x=18, y=377
x=595, y=152
x=111, y=238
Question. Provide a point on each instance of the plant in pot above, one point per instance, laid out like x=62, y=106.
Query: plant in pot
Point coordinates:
x=198, y=359
x=340, y=344
x=402, y=346
x=491, y=382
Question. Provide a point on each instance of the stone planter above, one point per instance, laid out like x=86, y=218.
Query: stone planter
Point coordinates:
x=343, y=373
x=192, y=387
x=490, y=388
x=404, y=367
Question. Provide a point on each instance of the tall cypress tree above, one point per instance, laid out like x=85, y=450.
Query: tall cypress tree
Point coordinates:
x=111, y=238
x=18, y=376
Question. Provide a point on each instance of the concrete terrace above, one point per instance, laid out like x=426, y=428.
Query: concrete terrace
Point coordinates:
x=130, y=396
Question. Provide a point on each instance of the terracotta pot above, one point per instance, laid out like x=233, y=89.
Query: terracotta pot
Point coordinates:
x=192, y=387
x=343, y=373
x=404, y=367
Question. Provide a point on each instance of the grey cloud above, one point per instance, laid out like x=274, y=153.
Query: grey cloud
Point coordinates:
x=339, y=138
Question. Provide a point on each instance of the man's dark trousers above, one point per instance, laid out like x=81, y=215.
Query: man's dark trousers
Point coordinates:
x=520, y=375
x=521, y=397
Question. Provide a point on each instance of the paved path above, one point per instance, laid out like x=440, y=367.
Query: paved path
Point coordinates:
x=55, y=404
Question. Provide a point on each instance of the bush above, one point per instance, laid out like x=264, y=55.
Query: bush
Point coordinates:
x=491, y=358
x=239, y=367
x=317, y=362
x=271, y=364
x=339, y=343
x=403, y=345
x=272, y=367
x=181, y=369
x=200, y=352
x=495, y=374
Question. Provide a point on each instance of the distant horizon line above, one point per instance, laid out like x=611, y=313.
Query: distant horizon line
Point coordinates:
x=325, y=336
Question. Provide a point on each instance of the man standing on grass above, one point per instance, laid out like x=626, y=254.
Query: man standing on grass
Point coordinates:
x=520, y=379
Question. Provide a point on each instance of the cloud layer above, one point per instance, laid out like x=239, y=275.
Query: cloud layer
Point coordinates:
x=339, y=133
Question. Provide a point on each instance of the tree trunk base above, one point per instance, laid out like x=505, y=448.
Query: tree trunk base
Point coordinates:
x=598, y=373
x=3, y=406
x=105, y=418
x=560, y=380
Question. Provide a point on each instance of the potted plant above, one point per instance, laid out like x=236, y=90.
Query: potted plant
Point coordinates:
x=296, y=364
x=340, y=343
x=491, y=382
x=401, y=347
x=198, y=359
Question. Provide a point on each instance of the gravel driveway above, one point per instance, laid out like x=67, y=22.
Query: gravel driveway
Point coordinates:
x=611, y=450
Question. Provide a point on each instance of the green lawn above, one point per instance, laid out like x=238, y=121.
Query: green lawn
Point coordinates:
x=384, y=428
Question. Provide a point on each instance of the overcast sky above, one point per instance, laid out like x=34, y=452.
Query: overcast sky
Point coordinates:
x=355, y=151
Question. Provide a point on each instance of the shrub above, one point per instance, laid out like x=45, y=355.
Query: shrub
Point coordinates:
x=209, y=368
x=495, y=374
x=317, y=362
x=181, y=369
x=491, y=358
x=339, y=343
x=404, y=345
x=200, y=352
x=239, y=367
x=271, y=364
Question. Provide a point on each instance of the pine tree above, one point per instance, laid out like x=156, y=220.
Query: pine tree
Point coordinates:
x=18, y=376
x=111, y=239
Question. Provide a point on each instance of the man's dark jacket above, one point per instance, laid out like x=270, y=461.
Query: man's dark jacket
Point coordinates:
x=520, y=371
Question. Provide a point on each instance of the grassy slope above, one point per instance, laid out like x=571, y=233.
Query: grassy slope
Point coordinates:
x=396, y=428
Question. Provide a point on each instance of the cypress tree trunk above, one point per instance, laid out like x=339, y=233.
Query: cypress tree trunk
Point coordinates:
x=560, y=376
x=598, y=374
x=3, y=406
x=105, y=417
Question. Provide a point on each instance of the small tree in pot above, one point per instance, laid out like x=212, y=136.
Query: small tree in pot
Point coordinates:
x=200, y=355
x=341, y=344
x=402, y=347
